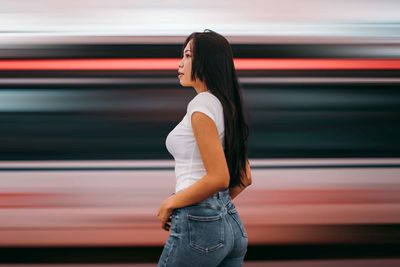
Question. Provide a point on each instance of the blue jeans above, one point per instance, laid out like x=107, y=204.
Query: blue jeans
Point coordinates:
x=209, y=233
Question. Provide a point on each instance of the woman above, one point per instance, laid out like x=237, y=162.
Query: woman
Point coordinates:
x=209, y=146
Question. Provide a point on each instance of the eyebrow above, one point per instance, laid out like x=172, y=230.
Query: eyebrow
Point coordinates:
x=187, y=50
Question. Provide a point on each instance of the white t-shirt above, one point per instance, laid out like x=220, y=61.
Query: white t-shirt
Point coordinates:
x=182, y=145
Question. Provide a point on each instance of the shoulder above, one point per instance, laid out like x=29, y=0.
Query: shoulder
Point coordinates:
x=208, y=104
x=205, y=99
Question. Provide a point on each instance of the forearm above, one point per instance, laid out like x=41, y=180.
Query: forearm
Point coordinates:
x=200, y=190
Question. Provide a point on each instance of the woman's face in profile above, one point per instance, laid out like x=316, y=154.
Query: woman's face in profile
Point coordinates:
x=185, y=67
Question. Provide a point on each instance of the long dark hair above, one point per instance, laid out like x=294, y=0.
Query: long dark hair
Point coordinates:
x=212, y=63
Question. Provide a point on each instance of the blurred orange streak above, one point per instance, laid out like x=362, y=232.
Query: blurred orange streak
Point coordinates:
x=172, y=64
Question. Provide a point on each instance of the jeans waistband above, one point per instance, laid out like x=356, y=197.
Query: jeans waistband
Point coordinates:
x=223, y=195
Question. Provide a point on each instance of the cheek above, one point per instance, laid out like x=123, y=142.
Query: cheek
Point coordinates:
x=188, y=65
x=188, y=72
x=187, y=77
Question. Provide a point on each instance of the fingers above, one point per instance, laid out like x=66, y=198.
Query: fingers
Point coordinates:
x=168, y=220
x=167, y=225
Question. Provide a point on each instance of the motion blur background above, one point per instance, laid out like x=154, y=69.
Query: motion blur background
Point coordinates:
x=89, y=92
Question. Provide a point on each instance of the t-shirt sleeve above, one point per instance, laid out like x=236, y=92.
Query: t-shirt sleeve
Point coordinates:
x=204, y=104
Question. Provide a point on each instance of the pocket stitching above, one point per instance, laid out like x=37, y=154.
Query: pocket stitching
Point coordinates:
x=205, y=219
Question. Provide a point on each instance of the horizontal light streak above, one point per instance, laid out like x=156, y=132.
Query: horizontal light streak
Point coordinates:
x=172, y=64
x=257, y=163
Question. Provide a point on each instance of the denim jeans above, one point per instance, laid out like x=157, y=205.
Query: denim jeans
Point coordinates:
x=209, y=233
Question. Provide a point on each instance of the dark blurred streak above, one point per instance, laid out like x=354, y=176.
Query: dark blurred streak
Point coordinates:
x=240, y=50
x=288, y=120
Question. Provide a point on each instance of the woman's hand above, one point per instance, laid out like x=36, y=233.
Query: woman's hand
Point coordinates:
x=164, y=213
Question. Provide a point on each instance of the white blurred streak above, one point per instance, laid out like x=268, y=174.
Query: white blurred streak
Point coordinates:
x=15, y=41
x=254, y=17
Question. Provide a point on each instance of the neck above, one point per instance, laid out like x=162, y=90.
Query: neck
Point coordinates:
x=200, y=87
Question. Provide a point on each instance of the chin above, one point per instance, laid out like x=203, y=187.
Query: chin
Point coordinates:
x=184, y=84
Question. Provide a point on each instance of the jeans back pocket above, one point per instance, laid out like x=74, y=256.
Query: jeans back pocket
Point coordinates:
x=206, y=233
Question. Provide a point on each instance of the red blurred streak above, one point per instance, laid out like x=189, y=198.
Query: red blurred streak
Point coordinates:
x=275, y=197
x=324, y=196
x=12, y=200
x=20, y=195
x=172, y=64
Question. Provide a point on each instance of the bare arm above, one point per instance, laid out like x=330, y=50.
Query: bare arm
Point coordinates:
x=217, y=177
x=212, y=153
x=234, y=191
